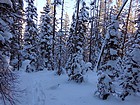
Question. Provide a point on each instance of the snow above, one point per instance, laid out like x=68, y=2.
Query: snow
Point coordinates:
x=46, y=88
x=135, y=55
x=88, y=65
x=113, y=52
x=8, y=35
x=113, y=32
x=2, y=38
x=102, y=49
x=112, y=63
x=7, y=2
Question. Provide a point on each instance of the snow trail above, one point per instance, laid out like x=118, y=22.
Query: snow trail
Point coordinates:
x=39, y=91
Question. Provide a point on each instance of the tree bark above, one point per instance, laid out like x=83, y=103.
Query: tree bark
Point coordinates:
x=126, y=29
x=60, y=49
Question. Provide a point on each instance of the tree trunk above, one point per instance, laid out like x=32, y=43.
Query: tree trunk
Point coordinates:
x=54, y=20
x=126, y=29
x=77, y=18
x=60, y=49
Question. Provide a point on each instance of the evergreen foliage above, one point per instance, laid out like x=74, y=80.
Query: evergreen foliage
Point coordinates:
x=8, y=79
x=130, y=80
x=108, y=69
x=16, y=41
x=112, y=34
x=30, y=37
x=76, y=66
x=46, y=38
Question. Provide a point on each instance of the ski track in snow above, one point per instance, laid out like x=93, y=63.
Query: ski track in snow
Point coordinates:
x=42, y=88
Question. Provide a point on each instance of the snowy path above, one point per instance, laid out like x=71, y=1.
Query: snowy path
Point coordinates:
x=43, y=88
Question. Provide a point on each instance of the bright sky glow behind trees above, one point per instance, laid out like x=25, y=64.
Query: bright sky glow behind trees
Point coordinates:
x=69, y=7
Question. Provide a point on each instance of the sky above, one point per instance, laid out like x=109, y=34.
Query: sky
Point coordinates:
x=68, y=5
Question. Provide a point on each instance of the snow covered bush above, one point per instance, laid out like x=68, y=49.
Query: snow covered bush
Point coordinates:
x=105, y=86
x=77, y=68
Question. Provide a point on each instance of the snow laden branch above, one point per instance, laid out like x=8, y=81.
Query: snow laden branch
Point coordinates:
x=105, y=40
x=8, y=79
x=8, y=2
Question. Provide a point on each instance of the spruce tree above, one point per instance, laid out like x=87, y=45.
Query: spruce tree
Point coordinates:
x=46, y=36
x=108, y=69
x=130, y=80
x=66, y=26
x=16, y=41
x=95, y=38
x=65, y=29
x=30, y=37
x=61, y=44
x=76, y=66
x=7, y=77
x=64, y=36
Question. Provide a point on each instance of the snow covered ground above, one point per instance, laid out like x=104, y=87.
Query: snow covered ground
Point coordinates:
x=46, y=88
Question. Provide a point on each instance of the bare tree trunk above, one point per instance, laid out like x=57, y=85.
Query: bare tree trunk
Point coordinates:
x=77, y=18
x=54, y=20
x=121, y=9
x=102, y=49
x=91, y=31
x=105, y=13
x=60, y=49
x=126, y=29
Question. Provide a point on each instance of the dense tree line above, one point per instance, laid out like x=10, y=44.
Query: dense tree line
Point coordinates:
x=104, y=37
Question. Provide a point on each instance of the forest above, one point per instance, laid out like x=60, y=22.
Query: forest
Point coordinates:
x=101, y=38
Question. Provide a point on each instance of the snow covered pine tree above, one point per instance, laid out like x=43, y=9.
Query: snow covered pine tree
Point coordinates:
x=108, y=64
x=46, y=36
x=76, y=66
x=7, y=77
x=30, y=37
x=16, y=29
x=131, y=76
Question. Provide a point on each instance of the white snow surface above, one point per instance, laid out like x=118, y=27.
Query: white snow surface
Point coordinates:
x=113, y=52
x=46, y=88
x=7, y=2
x=135, y=55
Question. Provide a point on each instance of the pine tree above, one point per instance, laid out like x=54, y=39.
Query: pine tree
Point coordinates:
x=5, y=29
x=76, y=66
x=54, y=41
x=7, y=77
x=108, y=69
x=70, y=44
x=30, y=37
x=95, y=37
x=131, y=77
x=61, y=44
x=66, y=26
x=16, y=41
x=65, y=30
x=46, y=36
